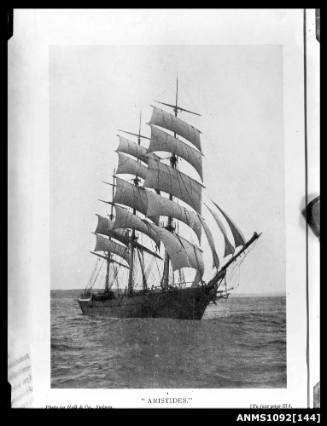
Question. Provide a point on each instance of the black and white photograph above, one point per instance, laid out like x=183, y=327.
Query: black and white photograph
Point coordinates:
x=168, y=267
x=165, y=174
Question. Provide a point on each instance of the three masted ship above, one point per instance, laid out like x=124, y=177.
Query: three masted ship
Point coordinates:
x=159, y=198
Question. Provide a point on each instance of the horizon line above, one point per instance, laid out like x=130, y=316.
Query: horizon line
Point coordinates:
x=277, y=293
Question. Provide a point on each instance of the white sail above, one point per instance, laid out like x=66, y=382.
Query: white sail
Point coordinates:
x=194, y=254
x=165, y=178
x=127, y=165
x=109, y=260
x=197, y=279
x=133, y=196
x=169, y=121
x=125, y=219
x=229, y=248
x=182, y=253
x=105, y=226
x=104, y=244
x=162, y=141
x=237, y=235
x=144, y=249
x=134, y=149
x=158, y=205
x=215, y=258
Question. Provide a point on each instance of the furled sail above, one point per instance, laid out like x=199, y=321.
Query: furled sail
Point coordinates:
x=182, y=253
x=165, y=178
x=158, y=205
x=162, y=141
x=133, y=196
x=237, y=235
x=105, y=226
x=134, y=149
x=104, y=244
x=125, y=219
x=229, y=248
x=210, y=239
x=169, y=121
x=127, y=165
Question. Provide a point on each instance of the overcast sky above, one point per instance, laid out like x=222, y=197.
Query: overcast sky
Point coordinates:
x=94, y=90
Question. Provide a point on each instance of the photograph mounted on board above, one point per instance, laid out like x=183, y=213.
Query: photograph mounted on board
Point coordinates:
x=167, y=222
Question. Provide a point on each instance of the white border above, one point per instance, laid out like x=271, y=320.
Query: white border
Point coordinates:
x=34, y=31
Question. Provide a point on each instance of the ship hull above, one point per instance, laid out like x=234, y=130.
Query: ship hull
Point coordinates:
x=188, y=303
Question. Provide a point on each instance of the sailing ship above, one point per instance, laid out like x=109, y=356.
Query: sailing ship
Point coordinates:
x=154, y=204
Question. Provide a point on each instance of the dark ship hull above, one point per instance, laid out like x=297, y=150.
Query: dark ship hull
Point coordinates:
x=179, y=303
x=188, y=303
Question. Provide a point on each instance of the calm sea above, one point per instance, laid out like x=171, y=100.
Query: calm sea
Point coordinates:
x=241, y=342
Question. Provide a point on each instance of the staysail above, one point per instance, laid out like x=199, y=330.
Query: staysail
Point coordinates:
x=165, y=178
x=104, y=244
x=170, y=122
x=158, y=205
x=229, y=248
x=237, y=235
x=133, y=196
x=215, y=258
x=162, y=141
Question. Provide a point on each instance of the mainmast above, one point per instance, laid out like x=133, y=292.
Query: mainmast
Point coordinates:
x=136, y=181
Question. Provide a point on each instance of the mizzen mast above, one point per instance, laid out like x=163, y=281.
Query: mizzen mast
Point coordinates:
x=108, y=257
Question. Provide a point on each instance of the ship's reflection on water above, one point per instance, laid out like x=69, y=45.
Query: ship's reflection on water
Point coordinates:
x=239, y=343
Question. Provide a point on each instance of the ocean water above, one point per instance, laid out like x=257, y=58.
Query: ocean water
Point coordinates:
x=240, y=343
